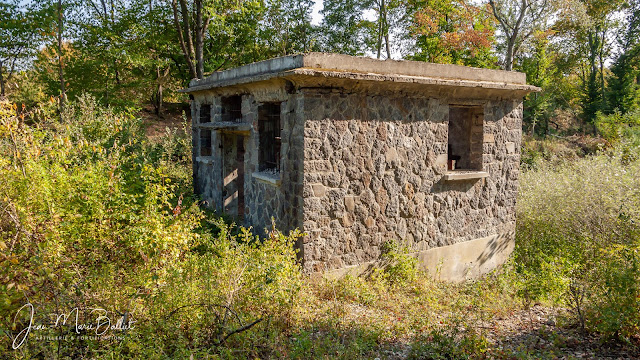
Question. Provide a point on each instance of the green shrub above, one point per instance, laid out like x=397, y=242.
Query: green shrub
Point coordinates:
x=396, y=265
x=617, y=126
x=92, y=215
x=578, y=231
x=450, y=342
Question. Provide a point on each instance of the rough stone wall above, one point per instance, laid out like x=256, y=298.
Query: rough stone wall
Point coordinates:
x=373, y=168
x=206, y=169
x=283, y=201
x=262, y=199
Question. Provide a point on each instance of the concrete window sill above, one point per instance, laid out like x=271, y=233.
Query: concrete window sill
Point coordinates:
x=464, y=175
x=227, y=126
x=268, y=177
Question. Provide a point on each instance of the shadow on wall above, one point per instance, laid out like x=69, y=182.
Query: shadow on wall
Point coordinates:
x=458, y=185
x=499, y=244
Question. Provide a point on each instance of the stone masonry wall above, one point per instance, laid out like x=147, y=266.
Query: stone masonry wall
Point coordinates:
x=262, y=199
x=373, y=171
x=283, y=201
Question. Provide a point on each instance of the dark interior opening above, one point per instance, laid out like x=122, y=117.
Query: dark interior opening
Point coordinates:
x=205, y=113
x=465, y=138
x=232, y=150
x=232, y=108
x=205, y=142
x=269, y=136
x=240, y=180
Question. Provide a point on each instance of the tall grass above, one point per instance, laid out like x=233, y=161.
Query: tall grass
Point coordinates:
x=578, y=235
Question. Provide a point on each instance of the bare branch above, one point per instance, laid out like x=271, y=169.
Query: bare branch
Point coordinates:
x=239, y=330
x=183, y=46
x=498, y=17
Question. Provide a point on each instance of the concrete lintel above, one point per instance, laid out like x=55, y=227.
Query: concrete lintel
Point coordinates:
x=205, y=159
x=225, y=125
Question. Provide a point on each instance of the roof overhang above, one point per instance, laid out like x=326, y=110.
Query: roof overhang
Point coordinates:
x=327, y=70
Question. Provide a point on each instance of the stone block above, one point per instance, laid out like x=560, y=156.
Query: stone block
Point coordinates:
x=349, y=203
x=441, y=160
x=318, y=190
x=391, y=155
x=369, y=222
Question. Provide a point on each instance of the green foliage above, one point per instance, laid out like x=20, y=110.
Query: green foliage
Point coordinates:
x=344, y=27
x=26, y=88
x=623, y=87
x=538, y=106
x=617, y=126
x=288, y=27
x=239, y=281
x=397, y=266
x=18, y=32
x=94, y=216
x=553, y=151
x=577, y=238
x=451, y=342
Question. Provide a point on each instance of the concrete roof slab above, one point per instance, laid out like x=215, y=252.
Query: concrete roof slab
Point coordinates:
x=351, y=68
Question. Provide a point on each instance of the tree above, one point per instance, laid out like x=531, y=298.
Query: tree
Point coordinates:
x=344, y=27
x=585, y=26
x=191, y=20
x=624, y=84
x=286, y=28
x=452, y=31
x=17, y=38
x=537, y=64
x=59, y=32
x=131, y=46
x=518, y=20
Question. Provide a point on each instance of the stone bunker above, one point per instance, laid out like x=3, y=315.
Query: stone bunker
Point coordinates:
x=356, y=152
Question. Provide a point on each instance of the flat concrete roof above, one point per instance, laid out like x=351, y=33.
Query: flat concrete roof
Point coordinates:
x=364, y=69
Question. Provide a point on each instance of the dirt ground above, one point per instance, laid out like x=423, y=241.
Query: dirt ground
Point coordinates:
x=544, y=330
x=171, y=117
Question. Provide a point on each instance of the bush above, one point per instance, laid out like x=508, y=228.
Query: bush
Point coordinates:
x=397, y=266
x=578, y=235
x=93, y=216
x=452, y=342
x=617, y=126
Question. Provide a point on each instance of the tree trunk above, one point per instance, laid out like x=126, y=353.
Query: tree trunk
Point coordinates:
x=601, y=56
x=159, y=111
x=2, y=93
x=184, y=34
x=380, y=27
x=508, y=60
x=157, y=101
x=199, y=40
x=386, y=41
x=63, y=93
x=386, y=31
x=511, y=31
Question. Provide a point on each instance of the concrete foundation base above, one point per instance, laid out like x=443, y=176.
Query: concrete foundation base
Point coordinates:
x=454, y=263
